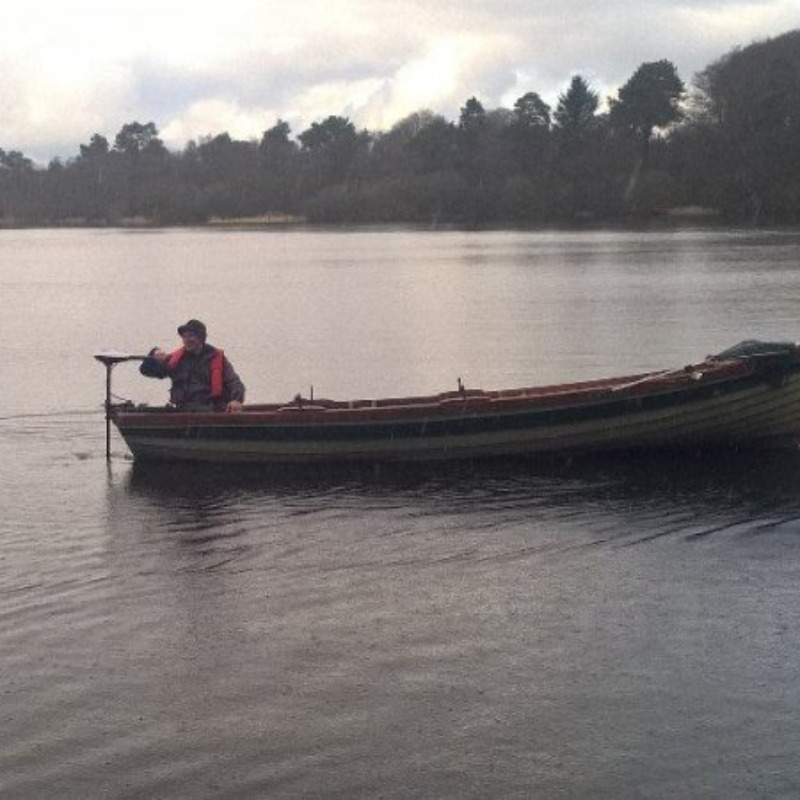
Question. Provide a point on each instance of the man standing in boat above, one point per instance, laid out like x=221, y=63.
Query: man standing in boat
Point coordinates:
x=202, y=377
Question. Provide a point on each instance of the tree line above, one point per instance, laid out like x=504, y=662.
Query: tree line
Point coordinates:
x=729, y=144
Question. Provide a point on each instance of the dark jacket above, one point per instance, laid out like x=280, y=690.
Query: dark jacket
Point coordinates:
x=191, y=381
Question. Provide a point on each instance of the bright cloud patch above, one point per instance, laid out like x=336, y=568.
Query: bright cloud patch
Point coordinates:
x=211, y=117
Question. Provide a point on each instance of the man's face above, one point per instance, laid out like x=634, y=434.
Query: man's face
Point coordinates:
x=192, y=342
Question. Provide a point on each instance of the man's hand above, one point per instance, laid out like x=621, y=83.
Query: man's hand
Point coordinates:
x=159, y=355
x=234, y=406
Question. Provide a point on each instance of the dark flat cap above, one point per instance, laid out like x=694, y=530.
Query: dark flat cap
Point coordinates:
x=193, y=326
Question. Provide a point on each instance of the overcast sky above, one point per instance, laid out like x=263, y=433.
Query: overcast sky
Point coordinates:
x=72, y=68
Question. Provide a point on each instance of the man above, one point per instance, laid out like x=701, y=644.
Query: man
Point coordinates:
x=202, y=378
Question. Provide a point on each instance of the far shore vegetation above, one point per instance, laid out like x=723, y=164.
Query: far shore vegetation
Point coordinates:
x=727, y=147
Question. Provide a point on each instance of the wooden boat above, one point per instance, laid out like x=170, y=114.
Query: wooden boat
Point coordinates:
x=745, y=397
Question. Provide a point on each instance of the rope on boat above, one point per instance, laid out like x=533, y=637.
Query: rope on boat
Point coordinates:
x=654, y=376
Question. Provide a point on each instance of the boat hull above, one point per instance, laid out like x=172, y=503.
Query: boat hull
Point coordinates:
x=747, y=403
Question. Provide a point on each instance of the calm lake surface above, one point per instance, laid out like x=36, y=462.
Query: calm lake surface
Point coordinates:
x=612, y=628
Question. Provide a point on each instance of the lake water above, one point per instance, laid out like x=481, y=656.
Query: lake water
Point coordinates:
x=613, y=628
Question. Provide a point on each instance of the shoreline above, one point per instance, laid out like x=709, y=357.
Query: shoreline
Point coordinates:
x=677, y=217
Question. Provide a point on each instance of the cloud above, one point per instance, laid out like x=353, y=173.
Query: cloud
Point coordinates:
x=52, y=104
x=210, y=117
x=720, y=24
x=197, y=67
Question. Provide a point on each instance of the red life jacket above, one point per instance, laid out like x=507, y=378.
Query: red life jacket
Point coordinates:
x=217, y=368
